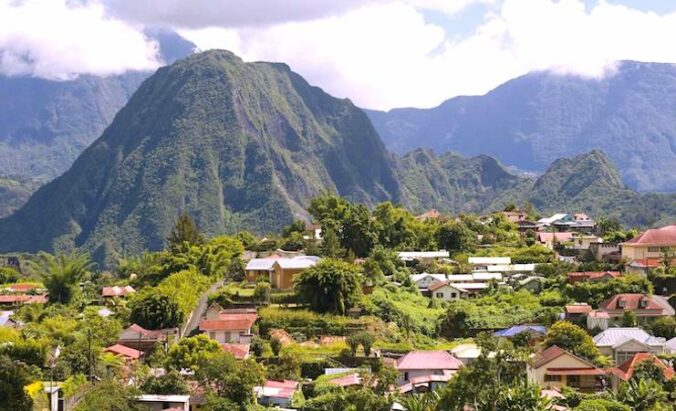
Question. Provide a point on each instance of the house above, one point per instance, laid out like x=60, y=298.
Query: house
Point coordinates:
x=598, y=320
x=116, y=291
x=622, y=343
x=643, y=266
x=584, y=241
x=22, y=287
x=447, y=291
x=644, y=306
x=609, y=252
x=533, y=331
x=592, y=276
x=515, y=216
x=139, y=338
x=348, y=380
x=239, y=351
x=483, y=263
x=526, y=225
x=532, y=283
x=424, y=280
x=576, y=312
x=21, y=299
x=422, y=256
x=314, y=231
x=229, y=326
x=466, y=353
x=511, y=268
x=279, y=271
x=277, y=393
x=550, y=239
x=650, y=244
x=127, y=353
x=559, y=217
x=153, y=402
x=431, y=214
x=625, y=371
x=557, y=368
x=670, y=346
x=421, y=371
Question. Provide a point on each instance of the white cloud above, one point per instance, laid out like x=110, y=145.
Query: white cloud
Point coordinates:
x=450, y=7
x=386, y=55
x=59, y=39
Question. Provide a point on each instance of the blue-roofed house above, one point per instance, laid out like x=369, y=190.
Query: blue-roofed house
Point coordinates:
x=534, y=331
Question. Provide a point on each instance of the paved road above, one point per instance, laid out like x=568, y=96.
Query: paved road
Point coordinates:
x=198, y=312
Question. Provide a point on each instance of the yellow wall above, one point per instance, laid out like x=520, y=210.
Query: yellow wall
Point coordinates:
x=639, y=252
x=283, y=279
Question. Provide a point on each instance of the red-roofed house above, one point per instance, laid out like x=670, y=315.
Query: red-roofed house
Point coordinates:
x=557, y=368
x=128, y=353
x=626, y=369
x=116, y=291
x=19, y=299
x=584, y=276
x=229, y=326
x=348, y=380
x=577, y=311
x=649, y=245
x=277, y=393
x=644, y=306
x=139, y=338
x=425, y=370
x=239, y=351
x=22, y=287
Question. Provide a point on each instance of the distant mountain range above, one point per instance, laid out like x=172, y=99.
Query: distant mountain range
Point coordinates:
x=533, y=120
x=247, y=145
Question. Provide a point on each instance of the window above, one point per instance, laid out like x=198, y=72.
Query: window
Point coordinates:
x=552, y=378
x=573, y=380
x=212, y=334
x=406, y=376
x=654, y=249
x=440, y=295
x=454, y=295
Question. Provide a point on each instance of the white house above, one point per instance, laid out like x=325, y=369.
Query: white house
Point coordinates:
x=448, y=291
x=482, y=263
x=424, y=280
x=229, y=326
x=163, y=402
x=425, y=370
x=422, y=256
x=622, y=343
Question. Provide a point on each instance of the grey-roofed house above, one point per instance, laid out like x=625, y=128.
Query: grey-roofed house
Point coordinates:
x=622, y=343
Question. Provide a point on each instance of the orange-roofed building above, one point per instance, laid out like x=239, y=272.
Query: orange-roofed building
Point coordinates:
x=239, y=351
x=649, y=246
x=644, y=306
x=625, y=371
x=229, y=326
x=557, y=368
x=128, y=353
x=584, y=276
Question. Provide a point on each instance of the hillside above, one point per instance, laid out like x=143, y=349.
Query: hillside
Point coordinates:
x=590, y=183
x=46, y=124
x=14, y=192
x=237, y=145
x=452, y=183
x=533, y=120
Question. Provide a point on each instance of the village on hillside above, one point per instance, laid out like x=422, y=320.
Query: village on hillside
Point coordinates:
x=364, y=309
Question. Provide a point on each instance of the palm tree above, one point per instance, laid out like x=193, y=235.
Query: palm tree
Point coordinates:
x=420, y=402
x=62, y=273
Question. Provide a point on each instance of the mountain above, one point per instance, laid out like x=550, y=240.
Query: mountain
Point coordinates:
x=590, y=182
x=46, y=124
x=452, y=183
x=237, y=145
x=531, y=121
x=14, y=192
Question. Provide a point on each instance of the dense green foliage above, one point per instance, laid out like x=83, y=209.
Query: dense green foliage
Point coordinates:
x=331, y=286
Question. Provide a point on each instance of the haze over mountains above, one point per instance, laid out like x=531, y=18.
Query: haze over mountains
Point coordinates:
x=247, y=145
x=533, y=120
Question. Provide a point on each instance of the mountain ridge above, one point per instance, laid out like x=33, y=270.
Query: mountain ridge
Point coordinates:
x=534, y=119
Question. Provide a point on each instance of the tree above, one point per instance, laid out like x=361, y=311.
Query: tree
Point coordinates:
x=230, y=379
x=330, y=244
x=357, y=233
x=13, y=377
x=457, y=237
x=275, y=345
x=155, y=310
x=288, y=365
x=62, y=274
x=420, y=402
x=352, y=342
x=572, y=338
x=8, y=275
x=191, y=352
x=170, y=383
x=330, y=286
x=366, y=342
x=648, y=370
x=663, y=327
x=607, y=225
x=629, y=319
x=641, y=395
x=185, y=231
x=111, y=395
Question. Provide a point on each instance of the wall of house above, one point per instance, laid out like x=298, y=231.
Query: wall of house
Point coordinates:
x=638, y=252
x=405, y=376
x=159, y=406
x=253, y=275
x=283, y=278
x=228, y=336
x=447, y=294
x=627, y=350
x=537, y=375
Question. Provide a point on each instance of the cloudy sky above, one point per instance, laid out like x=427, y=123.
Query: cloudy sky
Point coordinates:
x=379, y=53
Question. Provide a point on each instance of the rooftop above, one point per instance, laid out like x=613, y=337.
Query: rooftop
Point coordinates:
x=664, y=236
x=614, y=336
x=428, y=360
